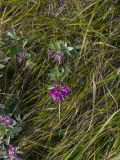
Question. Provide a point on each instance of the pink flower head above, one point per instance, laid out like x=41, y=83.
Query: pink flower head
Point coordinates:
x=8, y=121
x=58, y=93
x=11, y=150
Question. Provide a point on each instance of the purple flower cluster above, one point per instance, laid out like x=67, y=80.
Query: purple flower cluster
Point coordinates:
x=55, y=56
x=59, y=92
x=11, y=153
x=11, y=150
x=7, y=120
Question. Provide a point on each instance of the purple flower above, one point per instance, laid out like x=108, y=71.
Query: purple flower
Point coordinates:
x=11, y=150
x=59, y=92
x=8, y=121
x=50, y=52
x=65, y=90
x=59, y=57
x=20, y=57
x=55, y=56
x=11, y=153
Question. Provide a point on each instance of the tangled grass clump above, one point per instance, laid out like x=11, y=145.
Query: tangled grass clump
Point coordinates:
x=44, y=45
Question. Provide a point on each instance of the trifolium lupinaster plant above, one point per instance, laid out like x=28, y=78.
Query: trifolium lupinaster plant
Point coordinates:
x=8, y=129
x=57, y=52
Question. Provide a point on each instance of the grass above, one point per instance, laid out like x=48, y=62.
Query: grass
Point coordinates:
x=89, y=122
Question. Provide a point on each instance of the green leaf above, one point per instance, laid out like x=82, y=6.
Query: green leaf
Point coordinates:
x=58, y=74
x=12, y=35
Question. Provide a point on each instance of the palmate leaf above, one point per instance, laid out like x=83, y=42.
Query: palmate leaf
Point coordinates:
x=55, y=74
x=55, y=46
x=59, y=74
x=63, y=48
x=13, y=35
